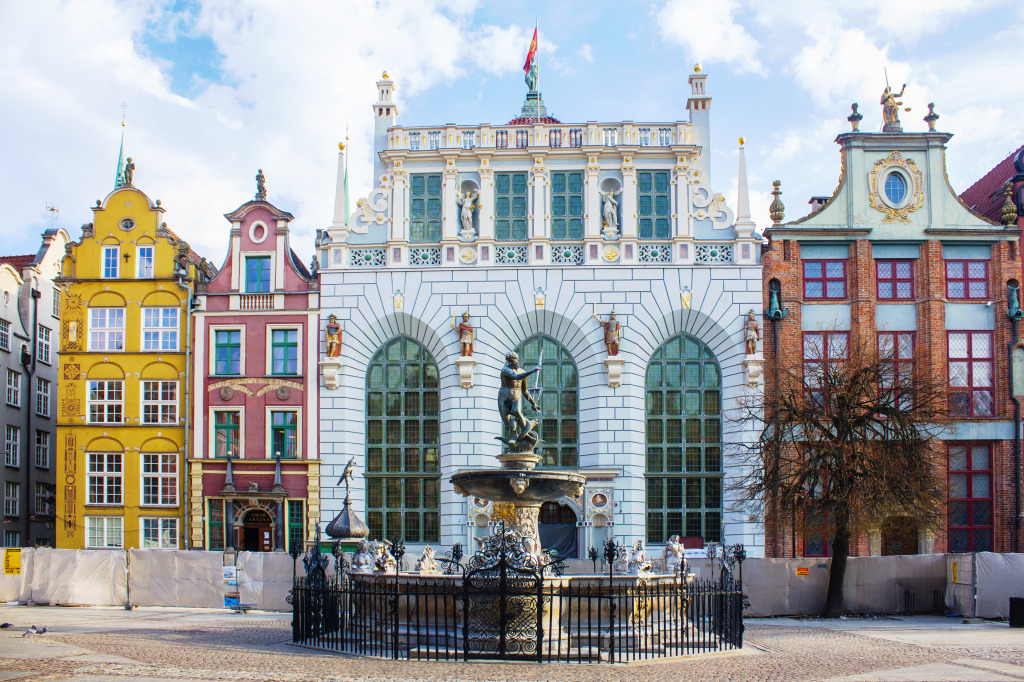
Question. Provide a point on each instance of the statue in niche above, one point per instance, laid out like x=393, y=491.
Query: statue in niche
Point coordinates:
x=466, y=334
x=890, y=107
x=261, y=185
x=333, y=334
x=751, y=333
x=610, y=210
x=129, y=171
x=612, y=331
x=510, y=397
x=468, y=204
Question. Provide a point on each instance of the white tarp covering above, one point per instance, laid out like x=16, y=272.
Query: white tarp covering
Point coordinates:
x=161, y=577
x=18, y=587
x=264, y=579
x=97, y=577
x=1000, y=576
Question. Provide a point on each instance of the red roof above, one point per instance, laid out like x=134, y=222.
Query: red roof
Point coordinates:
x=519, y=120
x=986, y=195
x=19, y=263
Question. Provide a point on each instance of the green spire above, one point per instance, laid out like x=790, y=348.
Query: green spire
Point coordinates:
x=119, y=178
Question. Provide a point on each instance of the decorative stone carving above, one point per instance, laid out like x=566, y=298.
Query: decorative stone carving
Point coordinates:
x=751, y=334
x=538, y=297
x=912, y=176
x=385, y=559
x=466, y=335
x=330, y=368
x=708, y=205
x=753, y=365
x=612, y=331
x=426, y=563
x=370, y=210
x=364, y=559
x=226, y=393
x=673, y=554
x=467, y=366
x=638, y=563
x=283, y=393
x=613, y=366
x=519, y=484
x=468, y=203
x=399, y=300
x=610, y=214
x=332, y=335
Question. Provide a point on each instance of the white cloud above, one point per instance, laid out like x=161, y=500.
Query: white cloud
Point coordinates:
x=709, y=33
x=586, y=53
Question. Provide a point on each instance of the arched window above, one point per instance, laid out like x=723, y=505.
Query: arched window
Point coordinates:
x=684, y=442
x=402, y=443
x=558, y=399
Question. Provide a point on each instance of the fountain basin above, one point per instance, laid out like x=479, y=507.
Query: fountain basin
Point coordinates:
x=522, y=488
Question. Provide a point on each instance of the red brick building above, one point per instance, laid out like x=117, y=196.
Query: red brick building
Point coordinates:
x=895, y=258
x=254, y=479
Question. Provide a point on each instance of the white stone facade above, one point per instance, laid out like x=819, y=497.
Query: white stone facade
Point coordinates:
x=701, y=279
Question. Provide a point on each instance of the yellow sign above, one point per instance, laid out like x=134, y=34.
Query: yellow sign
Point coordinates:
x=954, y=573
x=802, y=570
x=12, y=561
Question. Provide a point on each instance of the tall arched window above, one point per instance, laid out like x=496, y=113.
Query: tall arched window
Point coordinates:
x=684, y=442
x=402, y=444
x=559, y=399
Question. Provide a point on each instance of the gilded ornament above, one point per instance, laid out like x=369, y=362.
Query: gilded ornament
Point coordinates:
x=1009, y=211
x=915, y=198
x=776, y=210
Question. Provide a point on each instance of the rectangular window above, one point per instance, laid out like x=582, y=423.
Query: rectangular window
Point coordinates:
x=653, y=205
x=216, y=517
x=159, y=329
x=110, y=262
x=226, y=433
x=106, y=329
x=160, y=480
x=896, y=354
x=257, y=274
x=284, y=351
x=158, y=533
x=42, y=499
x=824, y=279
x=567, y=205
x=11, y=498
x=425, y=207
x=13, y=388
x=105, y=402
x=104, y=532
x=822, y=350
x=159, y=402
x=12, y=446
x=42, y=397
x=971, y=381
x=970, y=497
x=12, y=538
x=5, y=335
x=817, y=531
x=56, y=302
x=510, y=206
x=967, y=279
x=43, y=345
x=145, y=262
x=296, y=522
x=895, y=279
x=104, y=478
x=284, y=434
x=227, y=346
x=43, y=449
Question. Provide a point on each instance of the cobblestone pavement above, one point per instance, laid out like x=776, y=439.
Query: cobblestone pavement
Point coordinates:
x=194, y=644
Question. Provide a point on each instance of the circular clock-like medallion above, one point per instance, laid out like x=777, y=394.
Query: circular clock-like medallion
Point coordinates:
x=467, y=255
x=599, y=500
x=611, y=254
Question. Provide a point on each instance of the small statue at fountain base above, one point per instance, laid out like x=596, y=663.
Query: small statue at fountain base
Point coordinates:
x=364, y=558
x=673, y=554
x=426, y=563
x=385, y=560
x=638, y=563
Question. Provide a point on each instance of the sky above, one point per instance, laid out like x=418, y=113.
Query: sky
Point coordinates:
x=216, y=89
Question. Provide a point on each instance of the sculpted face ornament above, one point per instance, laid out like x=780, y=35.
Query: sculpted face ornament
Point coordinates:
x=519, y=484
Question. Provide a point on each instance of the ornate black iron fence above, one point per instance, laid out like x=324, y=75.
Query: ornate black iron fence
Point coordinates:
x=500, y=609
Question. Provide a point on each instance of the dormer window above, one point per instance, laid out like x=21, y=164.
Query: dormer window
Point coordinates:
x=257, y=274
x=895, y=188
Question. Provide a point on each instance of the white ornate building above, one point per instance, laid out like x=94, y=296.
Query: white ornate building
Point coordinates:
x=535, y=254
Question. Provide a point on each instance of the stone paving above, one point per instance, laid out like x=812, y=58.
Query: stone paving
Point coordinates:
x=85, y=644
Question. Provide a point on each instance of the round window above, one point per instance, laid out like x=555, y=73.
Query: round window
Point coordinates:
x=127, y=224
x=895, y=188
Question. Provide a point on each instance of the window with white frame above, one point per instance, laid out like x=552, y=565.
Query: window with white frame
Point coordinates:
x=43, y=345
x=12, y=446
x=110, y=262
x=42, y=397
x=43, y=449
x=159, y=402
x=106, y=329
x=104, y=532
x=284, y=351
x=13, y=388
x=5, y=335
x=159, y=533
x=12, y=538
x=160, y=480
x=105, y=402
x=159, y=329
x=11, y=495
x=145, y=261
x=56, y=301
x=42, y=499
x=104, y=477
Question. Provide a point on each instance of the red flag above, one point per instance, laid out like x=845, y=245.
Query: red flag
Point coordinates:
x=531, y=53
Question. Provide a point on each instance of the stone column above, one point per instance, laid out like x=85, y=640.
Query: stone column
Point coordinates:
x=450, y=222
x=628, y=200
x=399, y=204
x=486, y=211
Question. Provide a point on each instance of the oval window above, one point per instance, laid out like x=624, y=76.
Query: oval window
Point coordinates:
x=127, y=224
x=895, y=188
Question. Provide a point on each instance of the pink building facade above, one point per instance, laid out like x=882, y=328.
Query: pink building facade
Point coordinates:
x=254, y=458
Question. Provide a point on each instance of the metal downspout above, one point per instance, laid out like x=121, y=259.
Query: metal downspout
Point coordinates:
x=1015, y=538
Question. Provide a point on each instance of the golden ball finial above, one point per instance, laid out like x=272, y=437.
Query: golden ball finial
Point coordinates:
x=696, y=67
x=341, y=146
x=742, y=140
x=385, y=75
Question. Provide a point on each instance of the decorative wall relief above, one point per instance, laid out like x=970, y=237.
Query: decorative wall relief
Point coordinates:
x=70, y=471
x=909, y=174
x=711, y=206
x=71, y=323
x=370, y=210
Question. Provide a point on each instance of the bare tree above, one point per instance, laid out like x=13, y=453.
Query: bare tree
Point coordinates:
x=849, y=438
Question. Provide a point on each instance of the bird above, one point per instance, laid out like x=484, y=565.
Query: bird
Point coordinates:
x=4, y=626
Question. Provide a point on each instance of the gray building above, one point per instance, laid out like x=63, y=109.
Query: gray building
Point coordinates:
x=29, y=327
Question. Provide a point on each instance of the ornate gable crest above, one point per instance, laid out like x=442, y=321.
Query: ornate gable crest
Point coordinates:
x=902, y=188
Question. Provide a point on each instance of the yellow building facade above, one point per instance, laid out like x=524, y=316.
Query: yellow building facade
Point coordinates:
x=122, y=430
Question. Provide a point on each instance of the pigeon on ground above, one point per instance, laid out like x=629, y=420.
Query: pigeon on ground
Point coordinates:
x=4, y=626
x=34, y=631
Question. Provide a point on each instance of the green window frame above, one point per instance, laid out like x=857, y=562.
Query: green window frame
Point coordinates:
x=227, y=351
x=257, y=274
x=684, y=441
x=654, y=207
x=284, y=433
x=403, y=407
x=284, y=351
x=215, y=514
x=425, y=207
x=559, y=399
x=510, y=207
x=296, y=516
x=227, y=433
x=567, y=205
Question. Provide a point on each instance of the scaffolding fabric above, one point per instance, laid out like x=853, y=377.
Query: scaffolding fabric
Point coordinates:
x=96, y=577
x=184, y=578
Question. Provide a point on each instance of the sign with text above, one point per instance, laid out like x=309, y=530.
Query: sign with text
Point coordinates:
x=12, y=561
x=802, y=570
